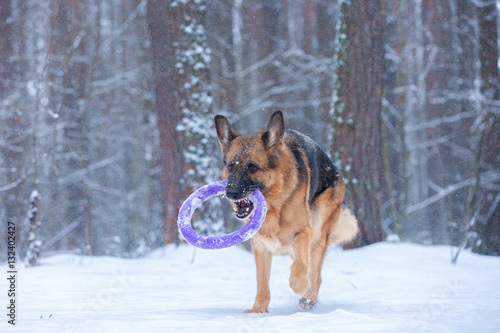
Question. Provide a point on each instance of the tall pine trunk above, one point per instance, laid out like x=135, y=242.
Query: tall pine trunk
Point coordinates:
x=163, y=25
x=12, y=152
x=357, y=116
x=488, y=228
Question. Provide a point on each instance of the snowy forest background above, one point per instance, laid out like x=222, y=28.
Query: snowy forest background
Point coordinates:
x=106, y=112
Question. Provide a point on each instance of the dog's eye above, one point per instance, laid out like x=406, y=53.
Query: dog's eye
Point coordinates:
x=231, y=167
x=252, y=168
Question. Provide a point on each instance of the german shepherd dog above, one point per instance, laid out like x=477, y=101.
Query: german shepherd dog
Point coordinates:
x=304, y=193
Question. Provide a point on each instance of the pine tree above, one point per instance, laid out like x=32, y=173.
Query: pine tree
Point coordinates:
x=357, y=114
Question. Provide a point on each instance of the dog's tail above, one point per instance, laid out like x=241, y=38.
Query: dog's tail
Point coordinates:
x=346, y=227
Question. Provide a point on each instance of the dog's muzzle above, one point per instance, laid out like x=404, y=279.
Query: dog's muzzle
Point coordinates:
x=243, y=207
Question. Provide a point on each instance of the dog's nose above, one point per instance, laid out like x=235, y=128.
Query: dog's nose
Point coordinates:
x=234, y=192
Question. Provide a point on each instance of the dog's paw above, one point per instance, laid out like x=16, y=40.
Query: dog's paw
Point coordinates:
x=307, y=304
x=256, y=310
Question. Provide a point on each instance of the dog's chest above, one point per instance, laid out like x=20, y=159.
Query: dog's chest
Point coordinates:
x=274, y=245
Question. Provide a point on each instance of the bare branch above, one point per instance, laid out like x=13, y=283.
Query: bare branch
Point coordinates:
x=92, y=167
x=11, y=185
x=486, y=178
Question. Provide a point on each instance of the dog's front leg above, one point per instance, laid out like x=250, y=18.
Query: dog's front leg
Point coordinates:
x=263, y=258
x=298, y=277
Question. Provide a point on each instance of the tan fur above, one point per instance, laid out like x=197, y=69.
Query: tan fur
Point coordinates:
x=292, y=225
x=345, y=229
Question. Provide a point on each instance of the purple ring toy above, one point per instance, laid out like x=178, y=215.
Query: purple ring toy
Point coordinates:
x=219, y=242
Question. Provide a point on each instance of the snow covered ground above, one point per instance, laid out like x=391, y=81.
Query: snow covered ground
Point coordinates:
x=380, y=288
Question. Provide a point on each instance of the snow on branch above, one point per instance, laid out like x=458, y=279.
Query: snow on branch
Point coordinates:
x=92, y=167
x=11, y=185
x=438, y=121
x=485, y=178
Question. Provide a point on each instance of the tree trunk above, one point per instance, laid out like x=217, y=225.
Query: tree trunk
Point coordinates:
x=163, y=25
x=488, y=228
x=357, y=118
x=437, y=81
x=71, y=43
x=12, y=152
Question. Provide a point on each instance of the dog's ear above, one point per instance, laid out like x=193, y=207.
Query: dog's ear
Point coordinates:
x=275, y=130
x=224, y=131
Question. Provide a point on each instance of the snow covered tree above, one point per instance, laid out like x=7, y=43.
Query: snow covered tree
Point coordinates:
x=34, y=243
x=181, y=58
x=193, y=57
